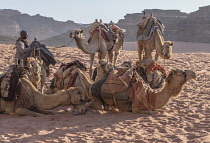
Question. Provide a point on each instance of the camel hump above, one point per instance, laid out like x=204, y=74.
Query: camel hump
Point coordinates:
x=147, y=26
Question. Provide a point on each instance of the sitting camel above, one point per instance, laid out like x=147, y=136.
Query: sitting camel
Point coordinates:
x=36, y=72
x=121, y=100
x=156, y=42
x=127, y=102
x=20, y=97
x=96, y=44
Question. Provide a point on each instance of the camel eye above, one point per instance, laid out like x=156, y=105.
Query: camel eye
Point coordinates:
x=78, y=92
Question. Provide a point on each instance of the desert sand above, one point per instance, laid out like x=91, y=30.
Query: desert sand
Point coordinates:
x=184, y=119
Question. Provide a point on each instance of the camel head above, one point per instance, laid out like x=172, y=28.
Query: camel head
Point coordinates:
x=34, y=65
x=77, y=34
x=179, y=77
x=105, y=65
x=167, y=49
x=122, y=33
x=76, y=96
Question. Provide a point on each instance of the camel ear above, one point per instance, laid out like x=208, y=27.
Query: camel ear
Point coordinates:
x=82, y=30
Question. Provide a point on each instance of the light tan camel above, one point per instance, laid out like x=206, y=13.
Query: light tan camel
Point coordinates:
x=172, y=88
x=37, y=72
x=31, y=102
x=60, y=84
x=114, y=53
x=97, y=44
x=163, y=48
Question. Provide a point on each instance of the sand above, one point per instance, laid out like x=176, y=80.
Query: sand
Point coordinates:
x=185, y=119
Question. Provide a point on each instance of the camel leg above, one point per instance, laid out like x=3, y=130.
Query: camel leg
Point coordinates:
x=43, y=112
x=140, y=49
x=26, y=112
x=116, y=54
x=148, y=53
x=156, y=57
x=96, y=103
x=91, y=64
x=110, y=55
x=43, y=79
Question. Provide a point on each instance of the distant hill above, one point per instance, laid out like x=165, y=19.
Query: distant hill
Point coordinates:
x=63, y=39
x=12, y=21
x=179, y=26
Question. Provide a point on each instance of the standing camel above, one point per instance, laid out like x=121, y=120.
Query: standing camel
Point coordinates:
x=156, y=42
x=115, y=52
x=36, y=72
x=96, y=44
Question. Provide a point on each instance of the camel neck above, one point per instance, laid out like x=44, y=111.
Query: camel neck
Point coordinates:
x=164, y=96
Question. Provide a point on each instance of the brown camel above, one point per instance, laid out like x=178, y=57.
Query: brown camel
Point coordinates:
x=31, y=102
x=36, y=72
x=97, y=44
x=156, y=42
x=172, y=88
x=115, y=52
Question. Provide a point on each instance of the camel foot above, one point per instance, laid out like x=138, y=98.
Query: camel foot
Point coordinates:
x=44, y=112
x=26, y=112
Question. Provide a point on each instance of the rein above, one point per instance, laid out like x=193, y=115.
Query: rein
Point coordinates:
x=66, y=44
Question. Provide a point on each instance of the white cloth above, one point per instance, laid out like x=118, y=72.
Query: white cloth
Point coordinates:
x=20, y=50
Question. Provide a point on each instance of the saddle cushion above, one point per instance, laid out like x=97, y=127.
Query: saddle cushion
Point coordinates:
x=147, y=26
x=141, y=95
x=118, y=81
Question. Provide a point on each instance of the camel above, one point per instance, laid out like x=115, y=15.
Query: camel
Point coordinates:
x=37, y=72
x=115, y=52
x=172, y=88
x=97, y=44
x=31, y=102
x=59, y=84
x=156, y=42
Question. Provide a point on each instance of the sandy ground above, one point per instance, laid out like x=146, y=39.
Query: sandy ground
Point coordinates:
x=185, y=119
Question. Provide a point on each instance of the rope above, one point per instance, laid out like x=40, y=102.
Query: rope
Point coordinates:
x=66, y=44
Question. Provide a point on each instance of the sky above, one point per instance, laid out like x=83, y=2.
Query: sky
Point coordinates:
x=86, y=11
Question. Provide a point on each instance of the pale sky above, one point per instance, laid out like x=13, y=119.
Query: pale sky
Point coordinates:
x=86, y=11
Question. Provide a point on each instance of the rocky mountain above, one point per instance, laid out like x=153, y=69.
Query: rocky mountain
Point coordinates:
x=13, y=21
x=179, y=26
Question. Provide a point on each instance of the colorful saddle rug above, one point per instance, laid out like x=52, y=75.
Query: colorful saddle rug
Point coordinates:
x=147, y=27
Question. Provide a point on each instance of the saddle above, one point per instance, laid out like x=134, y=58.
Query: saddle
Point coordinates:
x=125, y=80
x=147, y=26
x=38, y=49
x=10, y=83
x=118, y=80
x=151, y=72
x=106, y=32
x=65, y=70
x=141, y=94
